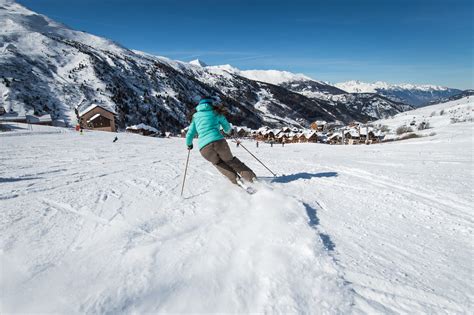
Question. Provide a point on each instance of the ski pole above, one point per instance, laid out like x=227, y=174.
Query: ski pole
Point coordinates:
x=185, y=171
x=274, y=175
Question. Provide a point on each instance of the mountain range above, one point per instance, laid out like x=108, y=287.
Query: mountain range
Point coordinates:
x=47, y=67
x=413, y=94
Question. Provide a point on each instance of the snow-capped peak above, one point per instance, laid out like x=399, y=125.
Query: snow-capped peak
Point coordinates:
x=274, y=76
x=199, y=63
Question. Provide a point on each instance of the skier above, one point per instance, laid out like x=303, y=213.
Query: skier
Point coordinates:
x=206, y=121
x=257, y=144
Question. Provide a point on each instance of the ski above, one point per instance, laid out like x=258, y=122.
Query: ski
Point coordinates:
x=247, y=188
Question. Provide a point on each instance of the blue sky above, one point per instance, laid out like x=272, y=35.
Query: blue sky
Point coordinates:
x=417, y=41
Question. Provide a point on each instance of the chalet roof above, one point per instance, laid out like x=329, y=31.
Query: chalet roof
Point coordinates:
x=309, y=134
x=353, y=132
x=91, y=107
x=142, y=127
x=238, y=129
x=36, y=119
x=363, y=130
x=93, y=117
x=335, y=135
x=320, y=122
x=274, y=131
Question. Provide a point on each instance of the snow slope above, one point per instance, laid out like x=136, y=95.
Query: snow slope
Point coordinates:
x=440, y=117
x=99, y=227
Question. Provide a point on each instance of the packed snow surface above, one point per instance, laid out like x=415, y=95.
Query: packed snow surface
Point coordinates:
x=92, y=226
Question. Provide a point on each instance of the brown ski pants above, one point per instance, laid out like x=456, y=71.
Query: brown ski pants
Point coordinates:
x=218, y=153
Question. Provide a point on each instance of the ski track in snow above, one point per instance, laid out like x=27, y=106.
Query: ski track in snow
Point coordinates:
x=91, y=226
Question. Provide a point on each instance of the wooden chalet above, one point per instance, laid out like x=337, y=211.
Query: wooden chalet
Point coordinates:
x=311, y=137
x=241, y=132
x=283, y=137
x=96, y=117
x=335, y=138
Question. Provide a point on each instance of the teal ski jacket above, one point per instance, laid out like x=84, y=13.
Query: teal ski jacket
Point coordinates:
x=206, y=123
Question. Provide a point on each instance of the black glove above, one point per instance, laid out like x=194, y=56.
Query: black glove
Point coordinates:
x=190, y=147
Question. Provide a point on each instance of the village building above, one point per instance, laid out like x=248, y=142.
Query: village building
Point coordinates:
x=322, y=137
x=330, y=126
x=311, y=137
x=96, y=117
x=370, y=135
x=300, y=137
x=352, y=136
x=282, y=137
x=241, y=132
x=335, y=138
x=142, y=129
x=319, y=125
x=39, y=120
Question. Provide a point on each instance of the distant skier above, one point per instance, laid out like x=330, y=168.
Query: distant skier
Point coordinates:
x=115, y=140
x=206, y=121
x=257, y=144
x=271, y=143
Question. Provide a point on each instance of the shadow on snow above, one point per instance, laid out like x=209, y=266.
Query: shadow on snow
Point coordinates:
x=304, y=175
x=314, y=222
x=11, y=180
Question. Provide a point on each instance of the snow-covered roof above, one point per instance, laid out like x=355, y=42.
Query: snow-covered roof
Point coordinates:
x=363, y=130
x=320, y=122
x=274, y=131
x=142, y=127
x=309, y=134
x=36, y=119
x=91, y=107
x=335, y=135
x=353, y=132
x=93, y=117
x=246, y=129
